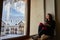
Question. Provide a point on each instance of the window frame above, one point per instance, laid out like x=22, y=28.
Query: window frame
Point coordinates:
x=28, y=21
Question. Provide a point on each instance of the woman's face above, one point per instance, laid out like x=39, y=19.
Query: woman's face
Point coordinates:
x=47, y=17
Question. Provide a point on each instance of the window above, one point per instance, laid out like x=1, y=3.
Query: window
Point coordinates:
x=13, y=19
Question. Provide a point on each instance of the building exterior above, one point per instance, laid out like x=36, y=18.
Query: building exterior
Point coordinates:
x=16, y=29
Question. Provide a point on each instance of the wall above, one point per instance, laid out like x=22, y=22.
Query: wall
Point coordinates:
x=36, y=16
x=50, y=7
x=58, y=18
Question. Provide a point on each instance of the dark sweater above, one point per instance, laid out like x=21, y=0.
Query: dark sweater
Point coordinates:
x=48, y=30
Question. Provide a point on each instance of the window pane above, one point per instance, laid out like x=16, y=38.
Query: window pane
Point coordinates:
x=13, y=18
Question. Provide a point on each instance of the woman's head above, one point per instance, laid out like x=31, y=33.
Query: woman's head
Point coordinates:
x=49, y=16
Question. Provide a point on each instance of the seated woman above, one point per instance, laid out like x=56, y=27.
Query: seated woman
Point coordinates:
x=47, y=29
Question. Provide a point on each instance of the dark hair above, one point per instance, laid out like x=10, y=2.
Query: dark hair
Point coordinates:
x=50, y=16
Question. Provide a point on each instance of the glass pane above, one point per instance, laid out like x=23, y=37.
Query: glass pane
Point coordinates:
x=13, y=19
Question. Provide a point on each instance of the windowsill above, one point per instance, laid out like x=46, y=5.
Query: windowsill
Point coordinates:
x=10, y=36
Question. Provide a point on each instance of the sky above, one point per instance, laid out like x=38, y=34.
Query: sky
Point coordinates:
x=13, y=12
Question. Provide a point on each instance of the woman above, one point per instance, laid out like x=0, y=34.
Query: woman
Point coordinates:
x=48, y=27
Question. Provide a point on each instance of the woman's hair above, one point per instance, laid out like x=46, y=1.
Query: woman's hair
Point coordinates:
x=50, y=16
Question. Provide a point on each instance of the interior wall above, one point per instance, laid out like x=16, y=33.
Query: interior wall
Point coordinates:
x=58, y=18
x=36, y=15
x=50, y=7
